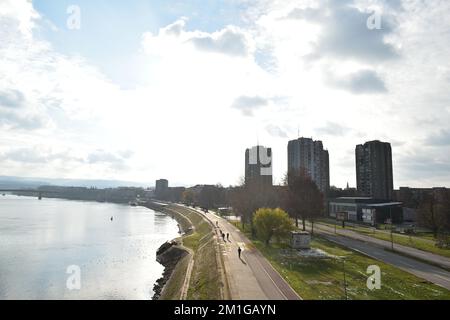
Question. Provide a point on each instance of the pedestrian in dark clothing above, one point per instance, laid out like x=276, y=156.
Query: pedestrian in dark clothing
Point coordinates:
x=239, y=252
x=223, y=236
x=228, y=236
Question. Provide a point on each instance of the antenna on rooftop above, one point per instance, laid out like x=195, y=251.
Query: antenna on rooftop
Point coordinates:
x=257, y=138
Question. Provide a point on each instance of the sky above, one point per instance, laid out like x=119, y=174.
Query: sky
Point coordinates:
x=141, y=90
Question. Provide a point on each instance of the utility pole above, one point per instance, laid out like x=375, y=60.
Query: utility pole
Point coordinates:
x=335, y=223
x=392, y=228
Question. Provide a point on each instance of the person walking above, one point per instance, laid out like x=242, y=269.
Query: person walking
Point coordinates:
x=223, y=236
x=239, y=252
x=228, y=236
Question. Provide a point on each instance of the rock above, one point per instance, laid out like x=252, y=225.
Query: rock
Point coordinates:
x=168, y=255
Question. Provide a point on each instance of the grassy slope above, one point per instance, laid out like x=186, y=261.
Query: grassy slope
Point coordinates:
x=172, y=289
x=205, y=279
x=323, y=278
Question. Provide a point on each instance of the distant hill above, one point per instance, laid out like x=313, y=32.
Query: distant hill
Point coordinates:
x=27, y=182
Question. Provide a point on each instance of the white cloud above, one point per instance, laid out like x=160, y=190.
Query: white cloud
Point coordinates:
x=180, y=120
x=248, y=104
x=360, y=82
x=230, y=40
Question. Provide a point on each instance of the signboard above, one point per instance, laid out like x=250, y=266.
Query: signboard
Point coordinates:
x=300, y=240
x=368, y=216
x=342, y=216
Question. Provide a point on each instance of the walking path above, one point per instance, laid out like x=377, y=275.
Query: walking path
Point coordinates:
x=252, y=277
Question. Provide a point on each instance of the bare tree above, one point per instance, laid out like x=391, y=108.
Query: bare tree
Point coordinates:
x=434, y=212
x=246, y=199
x=211, y=197
x=301, y=197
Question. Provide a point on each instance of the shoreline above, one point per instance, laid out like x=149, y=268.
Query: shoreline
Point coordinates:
x=170, y=253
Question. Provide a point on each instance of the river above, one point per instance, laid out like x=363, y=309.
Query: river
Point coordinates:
x=61, y=249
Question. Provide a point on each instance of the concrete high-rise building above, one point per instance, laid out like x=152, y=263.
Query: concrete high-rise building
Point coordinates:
x=258, y=166
x=308, y=155
x=161, y=188
x=374, y=170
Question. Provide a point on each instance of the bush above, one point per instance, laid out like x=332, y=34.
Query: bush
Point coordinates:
x=271, y=223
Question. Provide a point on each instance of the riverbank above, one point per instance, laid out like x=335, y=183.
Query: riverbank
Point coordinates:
x=197, y=275
x=169, y=255
x=173, y=256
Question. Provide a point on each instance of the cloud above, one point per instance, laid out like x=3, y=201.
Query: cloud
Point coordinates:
x=276, y=131
x=14, y=113
x=50, y=155
x=189, y=72
x=424, y=168
x=22, y=121
x=11, y=99
x=442, y=138
x=344, y=32
x=174, y=29
x=37, y=155
x=115, y=160
x=396, y=5
x=18, y=14
x=360, y=82
x=333, y=129
x=230, y=40
x=248, y=104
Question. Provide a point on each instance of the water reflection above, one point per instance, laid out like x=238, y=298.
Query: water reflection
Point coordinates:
x=40, y=239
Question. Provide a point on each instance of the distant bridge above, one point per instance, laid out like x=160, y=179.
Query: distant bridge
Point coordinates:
x=36, y=192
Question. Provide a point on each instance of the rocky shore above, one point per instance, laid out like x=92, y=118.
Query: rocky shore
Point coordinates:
x=169, y=254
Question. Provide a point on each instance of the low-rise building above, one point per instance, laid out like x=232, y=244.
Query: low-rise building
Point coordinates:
x=366, y=210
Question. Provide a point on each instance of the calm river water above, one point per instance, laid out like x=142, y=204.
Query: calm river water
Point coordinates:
x=43, y=245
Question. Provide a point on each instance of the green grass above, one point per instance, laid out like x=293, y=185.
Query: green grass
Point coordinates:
x=205, y=282
x=422, y=241
x=172, y=289
x=322, y=279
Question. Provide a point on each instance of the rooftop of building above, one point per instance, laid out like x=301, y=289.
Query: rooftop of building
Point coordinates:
x=373, y=142
x=365, y=201
x=354, y=198
x=384, y=204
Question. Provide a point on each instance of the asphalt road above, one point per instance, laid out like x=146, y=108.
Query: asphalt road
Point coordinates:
x=415, y=253
x=422, y=270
